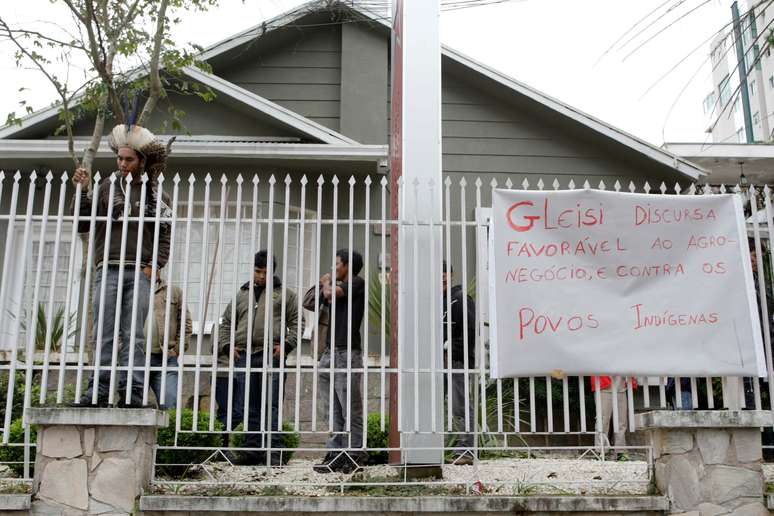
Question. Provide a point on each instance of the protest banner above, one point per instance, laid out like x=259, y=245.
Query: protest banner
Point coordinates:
x=596, y=282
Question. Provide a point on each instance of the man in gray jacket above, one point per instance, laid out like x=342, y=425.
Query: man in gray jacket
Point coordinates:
x=243, y=329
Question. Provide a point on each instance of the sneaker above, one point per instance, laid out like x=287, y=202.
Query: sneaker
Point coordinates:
x=461, y=459
x=325, y=465
x=346, y=463
x=85, y=402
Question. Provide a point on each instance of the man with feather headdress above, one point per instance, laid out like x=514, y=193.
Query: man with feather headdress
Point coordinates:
x=123, y=266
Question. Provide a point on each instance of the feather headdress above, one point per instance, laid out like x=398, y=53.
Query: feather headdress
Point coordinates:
x=142, y=141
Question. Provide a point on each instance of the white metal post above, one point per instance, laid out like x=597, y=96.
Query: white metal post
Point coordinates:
x=417, y=145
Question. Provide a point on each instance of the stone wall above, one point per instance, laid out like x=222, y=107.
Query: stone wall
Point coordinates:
x=92, y=461
x=707, y=466
x=92, y=470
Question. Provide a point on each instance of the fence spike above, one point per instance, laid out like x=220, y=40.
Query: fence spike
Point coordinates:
x=646, y=187
x=632, y=187
x=707, y=190
x=383, y=182
x=766, y=189
x=478, y=182
x=723, y=188
x=63, y=177
x=677, y=188
x=663, y=188
x=602, y=185
x=2, y=175
x=540, y=183
x=239, y=179
x=586, y=185
x=463, y=182
x=207, y=178
x=737, y=189
x=447, y=181
x=493, y=183
x=320, y=180
x=191, y=179
x=571, y=185
x=525, y=184
x=272, y=180
x=17, y=176
x=335, y=180
x=223, y=179
x=367, y=181
x=509, y=184
x=352, y=180
x=288, y=180
x=555, y=184
x=617, y=185
x=33, y=176
x=692, y=189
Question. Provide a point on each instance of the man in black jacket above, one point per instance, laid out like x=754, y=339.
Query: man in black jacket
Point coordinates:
x=459, y=338
x=344, y=350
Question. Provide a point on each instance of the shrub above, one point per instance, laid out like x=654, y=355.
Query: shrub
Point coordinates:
x=15, y=454
x=377, y=438
x=178, y=462
x=290, y=439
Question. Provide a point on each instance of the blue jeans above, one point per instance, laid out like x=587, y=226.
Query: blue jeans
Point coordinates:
x=252, y=440
x=105, y=340
x=170, y=387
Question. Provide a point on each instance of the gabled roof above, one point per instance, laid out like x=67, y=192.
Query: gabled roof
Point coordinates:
x=232, y=92
x=310, y=128
x=267, y=107
x=636, y=144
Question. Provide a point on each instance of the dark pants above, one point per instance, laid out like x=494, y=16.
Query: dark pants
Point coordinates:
x=252, y=440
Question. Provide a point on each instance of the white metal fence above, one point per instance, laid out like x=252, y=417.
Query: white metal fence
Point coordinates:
x=212, y=229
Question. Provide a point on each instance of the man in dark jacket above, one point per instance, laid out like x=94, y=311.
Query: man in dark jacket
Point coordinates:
x=241, y=338
x=343, y=350
x=123, y=265
x=463, y=312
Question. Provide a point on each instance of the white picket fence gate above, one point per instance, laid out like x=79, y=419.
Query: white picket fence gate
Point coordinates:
x=214, y=229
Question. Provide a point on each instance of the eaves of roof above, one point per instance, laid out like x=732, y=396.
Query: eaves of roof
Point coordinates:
x=41, y=149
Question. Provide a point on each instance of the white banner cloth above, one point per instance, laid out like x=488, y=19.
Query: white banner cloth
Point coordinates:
x=595, y=282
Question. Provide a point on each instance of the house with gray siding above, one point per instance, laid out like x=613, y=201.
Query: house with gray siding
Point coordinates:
x=306, y=95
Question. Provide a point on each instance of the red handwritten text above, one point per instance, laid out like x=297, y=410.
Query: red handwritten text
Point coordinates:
x=537, y=324
x=643, y=319
x=649, y=215
x=522, y=216
x=582, y=247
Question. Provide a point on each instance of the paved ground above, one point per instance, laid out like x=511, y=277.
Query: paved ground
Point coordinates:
x=499, y=476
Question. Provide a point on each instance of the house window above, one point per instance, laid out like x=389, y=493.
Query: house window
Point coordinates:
x=20, y=296
x=233, y=267
x=709, y=103
x=724, y=87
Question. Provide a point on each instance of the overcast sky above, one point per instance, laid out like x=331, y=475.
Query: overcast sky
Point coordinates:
x=556, y=46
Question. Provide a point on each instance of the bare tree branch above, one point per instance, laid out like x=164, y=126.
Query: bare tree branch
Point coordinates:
x=155, y=88
x=22, y=32
x=60, y=88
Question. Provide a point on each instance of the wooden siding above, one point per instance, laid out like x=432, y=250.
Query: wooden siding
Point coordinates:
x=303, y=75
